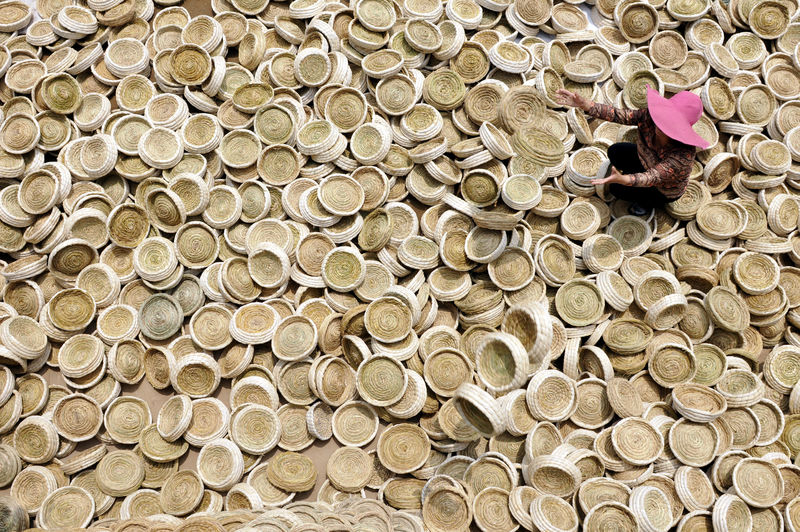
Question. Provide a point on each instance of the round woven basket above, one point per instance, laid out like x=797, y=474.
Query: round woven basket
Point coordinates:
x=769, y=20
x=651, y=506
x=731, y=511
x=693, y=444
x=756, y=105
x=627, y=336
x=638, y=23
x=295, y=338
x=611, y=515
x=740, y=387
x=349, y=469
x=387, y=319
x=636, y=441
x=403, y=448
x=698, y=403
x=553, y=397
x=579, y=303
x=727, y=310
x=67, y=507
x=624, y=398
x=381, y=380
x=77, y=417
x=758, y=482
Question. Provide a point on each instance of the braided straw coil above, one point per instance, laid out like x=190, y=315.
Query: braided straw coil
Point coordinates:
x=67, y=507
x=349, y=469
x=698, y=403
x=291, y=471
x=579, y=303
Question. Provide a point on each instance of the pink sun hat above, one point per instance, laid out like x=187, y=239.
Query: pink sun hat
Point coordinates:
x=675, y=116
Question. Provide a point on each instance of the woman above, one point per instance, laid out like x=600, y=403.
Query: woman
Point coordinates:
x=656, y=169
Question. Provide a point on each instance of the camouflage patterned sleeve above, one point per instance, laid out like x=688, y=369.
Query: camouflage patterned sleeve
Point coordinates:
x=669, y=175
x=612, y=114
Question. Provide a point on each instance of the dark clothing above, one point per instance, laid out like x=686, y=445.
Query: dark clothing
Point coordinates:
x=623, y=157
x=665, y=168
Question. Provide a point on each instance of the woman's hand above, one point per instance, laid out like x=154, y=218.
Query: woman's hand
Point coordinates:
x=614, y=177
x=571, y=99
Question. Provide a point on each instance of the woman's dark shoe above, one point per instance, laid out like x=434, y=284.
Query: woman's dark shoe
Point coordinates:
x=638, y=210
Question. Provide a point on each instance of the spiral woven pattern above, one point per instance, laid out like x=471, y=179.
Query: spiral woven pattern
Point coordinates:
x=694, y=444
x=636, y=441
x=755, y=105
x=758, y=482
x=579, y=303
x=403, y=448
x=554, y=397
x=77, y=417
x=726, y=309
x=638, y=23
x=181, y=493
x=120, y=473
x=209, y=327
x=593, y=409
x=157, y=449
x=471, y=62
x=355, y=423
x=174, y=417
x=190, y=64
x=125, y=418
x=36, y=440
x=160, y=316
x=444, y=89
x=382, y=213
x=349, y=469
x=292, y=472
x=387, y=319
x=768, y=20
x=31, y=487
x=72, y=309
x=67, y=507
x=126, y=362
x=381, y=380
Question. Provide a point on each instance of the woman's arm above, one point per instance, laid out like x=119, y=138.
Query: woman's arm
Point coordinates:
x=615, y=177
x=675, y=168
x=598, y=110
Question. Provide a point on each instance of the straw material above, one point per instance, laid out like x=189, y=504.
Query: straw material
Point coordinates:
x=758, y=482
x=120, y=473
x=694, y=444
x=77, y=417
x=627, y=336
x=698, y=403
x=552, y=397
x=444, y=266
x=479, y=410
x=181, y=493
x=636, y=441
x=67, y=507
x=125, y=418
x=726, y=309
x=35, y=439
x=731, y=511
x=502, y=362
x=672, y=364
x=387, y=319
x=403, y=448
x=624, y=398
x=579, y=303
x=292, y=472
x=651, y=507
x=381, y=380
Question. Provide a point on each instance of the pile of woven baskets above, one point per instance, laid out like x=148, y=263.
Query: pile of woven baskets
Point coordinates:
x=370, y=223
